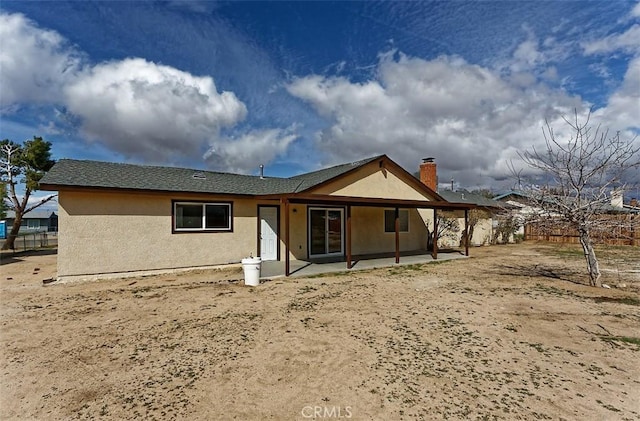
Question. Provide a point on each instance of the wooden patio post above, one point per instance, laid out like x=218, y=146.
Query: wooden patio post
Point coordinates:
x=434, y=254
x=287, y=268
x=466, y=232
x=348, y=237
x=397, y=225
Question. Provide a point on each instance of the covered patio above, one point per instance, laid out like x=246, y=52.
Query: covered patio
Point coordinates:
x=303, y=268
x=347, y=203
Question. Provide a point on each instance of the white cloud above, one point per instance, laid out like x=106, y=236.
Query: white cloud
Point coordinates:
x=623, y=107
x=244, y=153
x=628, y=41
x=527, y=55
x=134, y=107
x=36, y=63
x=534, y=57
x=467, y=116
x=140, y=108
x=37, y=197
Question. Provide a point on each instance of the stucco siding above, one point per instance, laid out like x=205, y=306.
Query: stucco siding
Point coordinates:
x=297, y=232
x=482, y=231
x=372, y=181
x=113, y=232
x=369, y=236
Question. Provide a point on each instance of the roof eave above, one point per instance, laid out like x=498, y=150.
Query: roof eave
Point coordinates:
x=68, y=187
x=339, y=176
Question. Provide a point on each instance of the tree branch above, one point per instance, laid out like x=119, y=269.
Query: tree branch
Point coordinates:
x=40, y=203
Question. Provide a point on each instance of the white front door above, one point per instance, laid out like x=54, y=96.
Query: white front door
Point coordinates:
x=268, y=232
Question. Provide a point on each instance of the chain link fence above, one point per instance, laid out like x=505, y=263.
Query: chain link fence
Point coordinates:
x=35, y=240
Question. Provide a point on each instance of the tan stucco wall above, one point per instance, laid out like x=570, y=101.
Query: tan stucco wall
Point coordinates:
x=367, y=222
x=367, y=229
x=482, y=232
x=103, y=232
x=372, y=181
x=369, y=236
x=112, y=232
x=297, y=233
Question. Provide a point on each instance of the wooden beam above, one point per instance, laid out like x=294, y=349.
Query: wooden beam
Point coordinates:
x=327, y=199
x=434, y=254
x=287, y=267
x=397, y=224
x=348, y=239
x=466, y=232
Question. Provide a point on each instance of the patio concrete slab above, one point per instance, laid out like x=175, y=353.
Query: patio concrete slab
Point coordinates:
x=301, y=268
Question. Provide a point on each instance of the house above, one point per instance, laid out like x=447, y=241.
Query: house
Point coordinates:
x=617, y=202
x=34, y=221
x=481, y=221
x=618, y=222
x=123, y=218
x=520, y=204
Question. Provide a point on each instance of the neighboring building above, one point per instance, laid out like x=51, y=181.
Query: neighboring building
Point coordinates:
x=481, y=222
x=520, y=204
x=521, y=201
x=163, y=218
x=633, y=206
x=618, y=202
x=622, y=232
x=34, y=221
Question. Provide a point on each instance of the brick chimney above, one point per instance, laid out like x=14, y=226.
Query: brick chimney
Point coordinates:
x=428, y=174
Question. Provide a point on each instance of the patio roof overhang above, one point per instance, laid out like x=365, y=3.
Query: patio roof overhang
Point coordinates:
x=349, y=201
x=316, y=199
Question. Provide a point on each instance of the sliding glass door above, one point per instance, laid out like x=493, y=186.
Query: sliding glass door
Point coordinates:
x=325, y=232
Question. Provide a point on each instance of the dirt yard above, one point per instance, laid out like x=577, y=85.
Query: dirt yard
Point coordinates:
x=511, y=333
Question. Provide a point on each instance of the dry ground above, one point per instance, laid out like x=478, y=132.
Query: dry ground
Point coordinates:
x=512, y=333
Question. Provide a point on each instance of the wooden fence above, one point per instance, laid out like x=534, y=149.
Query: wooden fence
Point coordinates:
x=616, y=230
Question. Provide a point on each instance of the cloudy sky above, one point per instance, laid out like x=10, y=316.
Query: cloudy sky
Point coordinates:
x=301, y=85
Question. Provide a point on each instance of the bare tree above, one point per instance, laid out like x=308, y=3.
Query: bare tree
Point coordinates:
x=579, y=174
x=508, y=223
x=474, y=216
x=448, y=227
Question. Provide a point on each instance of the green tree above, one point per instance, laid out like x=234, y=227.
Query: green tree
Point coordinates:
x=26, y=163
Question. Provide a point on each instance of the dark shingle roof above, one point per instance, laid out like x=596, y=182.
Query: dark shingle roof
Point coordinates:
x=311, y=179
x=514, y=193
x=34, y=214
x=68, y=172
x=96, y=174
x=467, y=197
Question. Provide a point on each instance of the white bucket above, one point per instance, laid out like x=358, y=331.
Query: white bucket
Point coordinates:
x=251, y=268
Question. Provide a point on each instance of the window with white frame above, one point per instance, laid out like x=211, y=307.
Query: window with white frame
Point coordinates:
x=390, y=220
x=199, y=216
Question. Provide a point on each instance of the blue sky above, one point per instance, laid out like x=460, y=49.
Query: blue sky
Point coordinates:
x=301, y=85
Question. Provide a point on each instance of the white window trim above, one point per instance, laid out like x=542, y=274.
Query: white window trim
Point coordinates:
x=228, y=228
x=384, y=225
x=33, y=224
